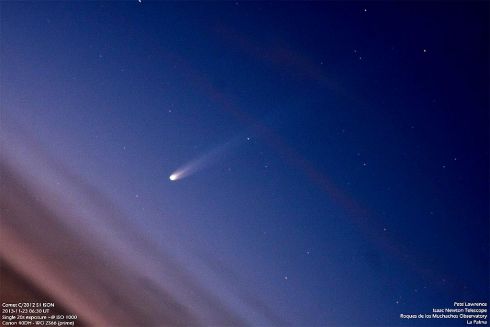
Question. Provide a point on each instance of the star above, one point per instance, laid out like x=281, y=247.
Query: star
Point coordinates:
x=285, y=277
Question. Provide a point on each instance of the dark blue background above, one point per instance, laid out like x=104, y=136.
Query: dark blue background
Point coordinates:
x=365, y=179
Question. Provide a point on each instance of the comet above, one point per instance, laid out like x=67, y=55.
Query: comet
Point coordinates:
x=208, y=159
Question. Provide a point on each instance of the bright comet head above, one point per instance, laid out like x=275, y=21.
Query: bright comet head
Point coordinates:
x=174, y=177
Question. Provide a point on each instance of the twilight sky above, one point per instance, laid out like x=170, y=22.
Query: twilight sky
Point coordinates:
x=339, y=152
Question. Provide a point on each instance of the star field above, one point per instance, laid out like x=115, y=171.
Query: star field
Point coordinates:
x=328, y=159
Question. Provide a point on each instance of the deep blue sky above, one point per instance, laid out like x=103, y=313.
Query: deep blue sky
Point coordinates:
x=362, y=191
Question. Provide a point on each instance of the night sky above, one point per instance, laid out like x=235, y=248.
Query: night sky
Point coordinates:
x=336, y=154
